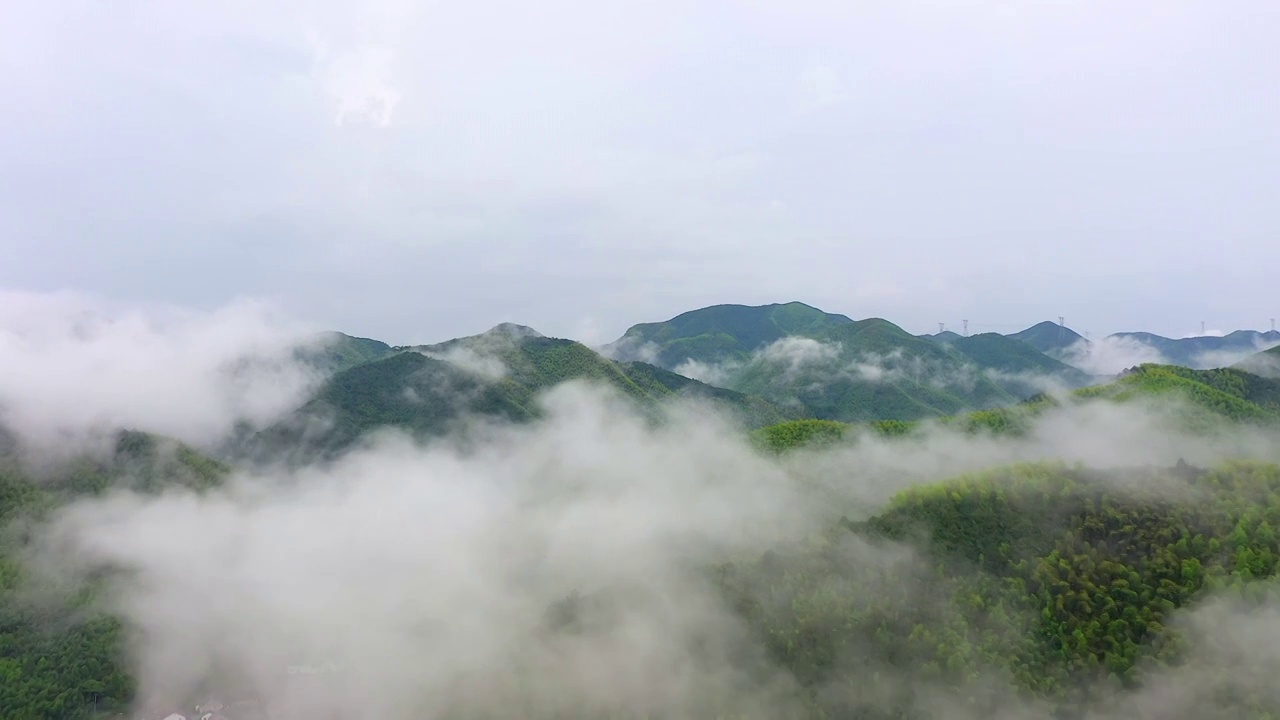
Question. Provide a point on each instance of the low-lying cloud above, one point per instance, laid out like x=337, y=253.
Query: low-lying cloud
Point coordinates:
x=1113, y=354
x=72, y=365
x=559, y=569
x=1110, y=355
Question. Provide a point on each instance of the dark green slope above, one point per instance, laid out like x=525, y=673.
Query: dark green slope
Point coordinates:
x=721, y=333
x=499, y=376
x=821, y=364
x=408, y=390
x=1031, y=368
x=1087, y=576
x=753, y=411
x=874, y=370
x=1049, y=337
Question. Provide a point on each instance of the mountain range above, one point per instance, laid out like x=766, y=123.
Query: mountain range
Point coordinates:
x=1047, y=572
x=763, y=364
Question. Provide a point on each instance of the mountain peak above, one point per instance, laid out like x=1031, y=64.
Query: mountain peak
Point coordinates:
x=512, y=330
x=1049, y=337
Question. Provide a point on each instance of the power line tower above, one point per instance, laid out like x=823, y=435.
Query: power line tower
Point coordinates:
x=1273, y=324
x=1202, y=327
x=966, y=328
x=942, y=327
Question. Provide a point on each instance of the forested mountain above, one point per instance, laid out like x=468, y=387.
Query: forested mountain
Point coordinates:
x=722, y=333
x=1049, y=338
x=430, y=390
x=833, y=367
x=1017, y=365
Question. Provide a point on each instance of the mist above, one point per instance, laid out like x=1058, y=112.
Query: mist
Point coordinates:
x=76, y=366
x=558, y=569
x=582, y=565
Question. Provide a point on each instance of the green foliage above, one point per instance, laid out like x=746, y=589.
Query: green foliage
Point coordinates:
x=1019, y=365
x=60, y=658
x=799, y=433
x=1229, y=393
x=728, y=332
x=431, y=391
x=1210, y=396
x=1060, y=578
x=857, y=371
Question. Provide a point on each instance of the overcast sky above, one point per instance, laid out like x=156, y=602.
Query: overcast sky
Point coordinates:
x=419, y=170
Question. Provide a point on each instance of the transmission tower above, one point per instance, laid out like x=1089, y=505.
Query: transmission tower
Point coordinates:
x=966, y=328
x=1273, y=324
x=1202, y=327
x=1062, y=320
x=942, y=327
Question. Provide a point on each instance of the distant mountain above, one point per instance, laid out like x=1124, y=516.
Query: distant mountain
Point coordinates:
x=1018, y=365
x=1049, y=338
x=837, y=368
x=1206, y=351
x=721, y=333
x=429, y=390
x=944, y=336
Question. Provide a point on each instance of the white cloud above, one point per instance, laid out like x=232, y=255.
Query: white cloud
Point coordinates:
x=1110, y=355
x=72, y=365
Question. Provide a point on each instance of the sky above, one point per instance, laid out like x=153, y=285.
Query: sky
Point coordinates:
x=415, y=171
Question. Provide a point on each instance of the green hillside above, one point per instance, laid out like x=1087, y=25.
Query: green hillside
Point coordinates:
x=722, y=333
x=496, y=375
x=58, y=657
x=1018, y=366
x=831, y=367
x=1053, y=577
x=1211, y=396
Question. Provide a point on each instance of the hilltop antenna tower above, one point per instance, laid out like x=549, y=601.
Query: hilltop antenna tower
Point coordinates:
x=1273, y=324
x=1202, y=327
x=942, y=327
x=966, y=328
